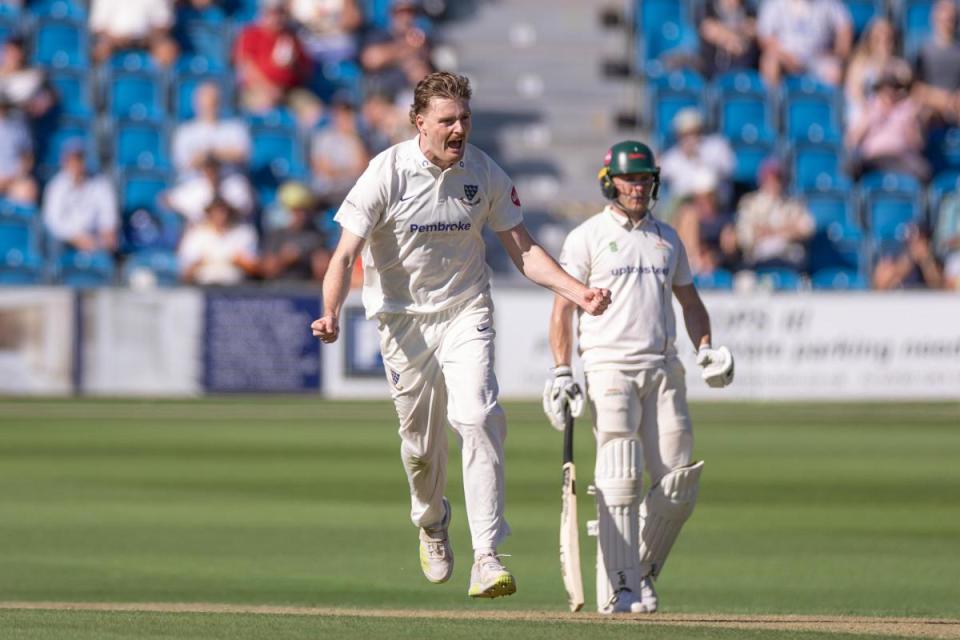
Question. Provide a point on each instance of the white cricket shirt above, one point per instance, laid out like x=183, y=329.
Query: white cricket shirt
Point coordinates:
x=423, y=227
x=640, y=265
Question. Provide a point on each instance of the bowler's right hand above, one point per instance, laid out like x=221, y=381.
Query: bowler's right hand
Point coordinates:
x=326, y=328
x=595, y=301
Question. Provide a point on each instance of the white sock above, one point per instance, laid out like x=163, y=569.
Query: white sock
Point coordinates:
x=479, y=553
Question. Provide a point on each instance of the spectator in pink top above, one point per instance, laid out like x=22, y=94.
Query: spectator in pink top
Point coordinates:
x=889, y=133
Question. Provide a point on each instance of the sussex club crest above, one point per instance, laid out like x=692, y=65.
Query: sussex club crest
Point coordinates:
x=470, y=194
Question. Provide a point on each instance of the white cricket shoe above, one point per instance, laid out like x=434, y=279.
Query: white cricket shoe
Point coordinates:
x=436, y=555
x=648, y=595
x=626, y=601
x=490, y=579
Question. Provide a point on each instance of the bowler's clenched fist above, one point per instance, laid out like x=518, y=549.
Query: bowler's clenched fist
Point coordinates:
x=326, y=328
x=595, y=301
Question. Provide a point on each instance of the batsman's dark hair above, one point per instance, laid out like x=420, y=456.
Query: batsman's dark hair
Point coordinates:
x=439, y=84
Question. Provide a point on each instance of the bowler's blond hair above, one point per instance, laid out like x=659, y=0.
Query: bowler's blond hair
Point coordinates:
x=439, y=84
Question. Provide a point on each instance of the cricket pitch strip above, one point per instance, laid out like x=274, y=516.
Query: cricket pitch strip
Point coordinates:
x=948, y=629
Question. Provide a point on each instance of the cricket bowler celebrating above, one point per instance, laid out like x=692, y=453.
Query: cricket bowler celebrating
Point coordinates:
x=417, y=214
x=635, y=382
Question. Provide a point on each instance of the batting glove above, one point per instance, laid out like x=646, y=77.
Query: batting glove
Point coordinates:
x=559, y=393
x=717, y=365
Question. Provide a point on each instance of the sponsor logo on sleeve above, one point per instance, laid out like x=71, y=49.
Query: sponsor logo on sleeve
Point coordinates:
x=514, y=197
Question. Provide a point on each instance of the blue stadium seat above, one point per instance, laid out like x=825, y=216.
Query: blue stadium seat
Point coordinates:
x=943, y=148
x=839, y=279
x=862, y=12
x=836, y=245
x=811, y=117
x=50, y=145
x=889, y=181
x=136, y=95
x=154, y=266
x=915, y=25
x=677, y=80
x=719, y=279
x=141, y=145
x=779, y=279
x=276, y=156
x=740, y=81
x=16, y=211
x=61, y=44
x=281, y=118
x=20, y=261
x=817, y=166
x=670, y=37
x=74, y=10
x=340, y=77
x=72, y=89
x=888, y=214
x=649, y=15
x=807, y=85
x=749, y=157
x=745, y=117
x=82, y=269
x=665, y=105
x=146, y=224
x=830, y=207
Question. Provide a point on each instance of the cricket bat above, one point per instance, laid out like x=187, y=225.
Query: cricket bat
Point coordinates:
x=569, y=526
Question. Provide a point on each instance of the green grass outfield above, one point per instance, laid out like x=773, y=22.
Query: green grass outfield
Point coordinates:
x=822, y=510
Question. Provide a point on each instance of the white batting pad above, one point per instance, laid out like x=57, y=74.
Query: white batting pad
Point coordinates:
x=618, y=479
x=667, y=506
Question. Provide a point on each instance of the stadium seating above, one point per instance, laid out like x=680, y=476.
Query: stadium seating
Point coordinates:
x=745, y=117
x=17, y=212
x=82, y=269
x=717, y=280
x=749, y=156
x=811, y=117
x=145, y=224
x=136, y=95
x=779, y=279
x=59, y=9
x=839, y=279
x=862, y=12
x=73, y=93
x=61, y=44
x=818, y=166
x=20, y=260
x=915, y=24
x=942, y=184
x=141, y=145
x=665, y=106
x=50, y=145
x=186, y=84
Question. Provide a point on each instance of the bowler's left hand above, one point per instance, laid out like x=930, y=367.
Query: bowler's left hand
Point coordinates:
x=595, y=301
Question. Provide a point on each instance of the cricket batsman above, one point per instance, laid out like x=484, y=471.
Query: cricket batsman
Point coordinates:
x=635, y=381
x=417, y=215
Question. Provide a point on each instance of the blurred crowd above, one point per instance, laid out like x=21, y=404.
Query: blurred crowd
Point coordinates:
x=892, y=104
x=229, y=226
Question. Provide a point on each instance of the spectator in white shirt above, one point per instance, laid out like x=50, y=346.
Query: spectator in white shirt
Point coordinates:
x=695, y=154
x=220, y=250
x=78, y=209
x=191, y=197
x=208, y=133
x=133, y=24
x=23, y=85
x=804, y=36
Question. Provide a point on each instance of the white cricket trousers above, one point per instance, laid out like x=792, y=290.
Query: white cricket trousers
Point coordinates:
x=440, y=369
x=647, y=403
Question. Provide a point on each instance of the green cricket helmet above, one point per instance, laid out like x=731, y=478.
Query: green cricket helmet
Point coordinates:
x=624, y=158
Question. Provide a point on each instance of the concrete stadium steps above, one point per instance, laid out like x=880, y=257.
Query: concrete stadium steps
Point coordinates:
x=542, y=106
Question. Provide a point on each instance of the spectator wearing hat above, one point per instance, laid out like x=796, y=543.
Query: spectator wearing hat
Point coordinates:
x=227, y=139
x=875, y=53
x=220, y=250
x=706, y=229
x=772, y=228
x=297, y=251
x=338, y=154
x=270, y=59
x=696, y=153
x=191, y=197
x=938, y=63
x=133, y=24
x=890, y=133
x=395, y=59
x=23, y=86
x=16, y=157
x=804, y=36
x=80, y=210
